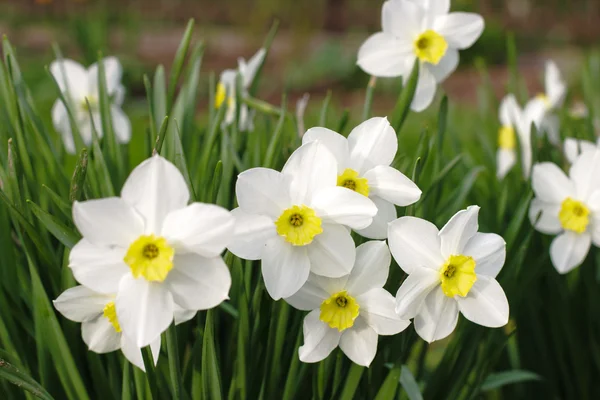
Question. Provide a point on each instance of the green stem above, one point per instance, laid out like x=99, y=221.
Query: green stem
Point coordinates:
x=174, y=365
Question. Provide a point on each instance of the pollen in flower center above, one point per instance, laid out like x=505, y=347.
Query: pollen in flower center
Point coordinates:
x=110, y=313
x=458, y=275
x=351, y=180
x=299, y=225
x=339, y=311
x=150, y=257
x=574, y=215
x=430, y=47
x=506, y=138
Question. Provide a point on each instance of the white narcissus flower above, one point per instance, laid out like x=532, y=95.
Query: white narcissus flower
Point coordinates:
x=568, y=206
x=100, y=326
x=506, y=156
x=449, y=271
x=423, y=30
x=153, y=250
x=350, y=311
x=226, y=90
x=80, y=84
x=363, y=165
x=295, y=220
x=574, y=147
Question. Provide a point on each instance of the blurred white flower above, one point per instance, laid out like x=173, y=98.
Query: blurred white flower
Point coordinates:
x=363, y=165
x=574, y=147
x=568, y=207
x=100, y=327
x=506, y=156
x=153, y=250
x=295, y=220
x=450, y=270
x=350, y=311
x=80, y=84
x=226, y=91
x=423, y=30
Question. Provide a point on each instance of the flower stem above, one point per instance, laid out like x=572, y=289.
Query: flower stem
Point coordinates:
x=174, y=366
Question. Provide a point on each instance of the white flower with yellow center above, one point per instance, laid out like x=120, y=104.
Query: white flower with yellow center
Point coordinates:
x=226, y=90
x=80, y=87
x=153, y=250
x=568, y=206
x=350, y=311
x=506, y=157
x=449, y=271
x=295, y=220
x=574, y=147
x=423, y=30
x=363, y=165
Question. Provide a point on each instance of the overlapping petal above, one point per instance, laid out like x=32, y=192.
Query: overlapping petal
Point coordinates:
x=285, y=268
x=415, y=244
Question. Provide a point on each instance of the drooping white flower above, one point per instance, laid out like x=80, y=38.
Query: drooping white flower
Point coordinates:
x=506, y=156
x=363, y=165
x=152, y=249
x=423, y=30
x=574, y=147
x=568, y=206
x=100, y=326
x=80, y=84
x=226, y=90
x=449, y=271
x=350, y=311
x=295, y=220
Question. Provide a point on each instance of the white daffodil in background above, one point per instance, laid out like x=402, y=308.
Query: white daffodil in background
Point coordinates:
x=449, y=270
x=100, y=326
x=153, y=250
x=363, y=165
x=80, y=86
x=350, y=311
x=423, y=30
x=506, y=157
x=568, y=206
x=226, y=90
x=574, y=147
x=295, y=220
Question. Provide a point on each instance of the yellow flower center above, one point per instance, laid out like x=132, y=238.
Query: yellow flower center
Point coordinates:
x=506, y=138
x=458, y=275
x=93, y=103
x=574, y=215
x=299, y=225
x=339, y=311
x=110, y=313
x=544, y=98
x=221, y=95
x=430, y=47
x=350, y=179
x=151, y=257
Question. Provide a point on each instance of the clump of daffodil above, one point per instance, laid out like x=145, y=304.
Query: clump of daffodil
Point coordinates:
x=419, y=30
x=449, y=271
x=350, y=311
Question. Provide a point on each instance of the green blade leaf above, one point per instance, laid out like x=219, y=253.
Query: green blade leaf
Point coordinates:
x=499, y=379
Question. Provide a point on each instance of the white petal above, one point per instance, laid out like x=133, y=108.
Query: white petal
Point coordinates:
x=112, y=71
x=249, y=70
x=460, y=29
x=386, y=213
x=81, y=304
x=285, y=268
x=332, y=253
x=446, y=66
x=371, y=267
x=181, y=315
x=155, y=188
x=372, y=143
x=489, y=252
x=415, y=244
x=198, y=283
x=438, y=316
x=402, y=19
x=119, y=95
x=100, y=268
x=574, y=147
x=377, y=309
x=310, y=168
x=509, y=108
x=385, y=56
x=145, y=309
x=585, y=173
x=134, y=353
x=555, y=86
x=551, y=126
x=413, y=291
x=535, y=112
x=263, y=191
x=548, y=220
x=204, y=229
x=60, y=120
x=251, y=233
x=319, y=339
x=121, y=124
x=343, y=206
x=505, y=160
x=569, y=249
x=458, y=231
x=550, y=184
x=486, y=303
x=109, y=221
x=335, y=143
x=425, y=91
x=100, y=336
x=71, y=76
x=392, y=185
x=310, y=296
x=359, y=343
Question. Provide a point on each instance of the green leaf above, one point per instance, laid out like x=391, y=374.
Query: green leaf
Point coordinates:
x=499, y=379
x=177, y=65
x=174, y=367
x=409, y=384
x=352, y=381
x=405, y=98
x=211, y=380
x=22, y=380
x=64, y=234
x=76, y=190
x=151, y=379
x=390, y=385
